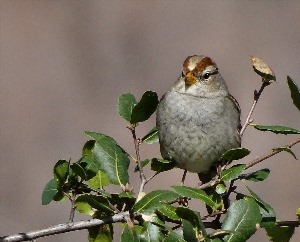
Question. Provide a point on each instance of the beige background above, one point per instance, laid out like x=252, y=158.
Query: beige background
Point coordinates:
x=64, y=64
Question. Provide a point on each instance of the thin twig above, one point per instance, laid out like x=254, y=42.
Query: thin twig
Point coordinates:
x=214, y=214
x=138, y=159
x=151, y=177
x=73, y=207
x=260, y=159
x=64, y=228
x=211, y=183
x=256, y=98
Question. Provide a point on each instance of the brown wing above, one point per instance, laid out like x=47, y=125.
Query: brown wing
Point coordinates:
x=237, y=106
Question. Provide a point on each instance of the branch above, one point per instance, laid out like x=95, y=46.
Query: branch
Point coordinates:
x=138, y=159
x=260, y=159
x=64, y=228
x=256, y=98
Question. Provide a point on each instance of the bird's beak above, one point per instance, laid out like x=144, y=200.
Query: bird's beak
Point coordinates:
x=190, y=79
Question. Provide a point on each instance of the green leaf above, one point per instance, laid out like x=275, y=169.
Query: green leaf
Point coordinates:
x=256, y=176
x=154, y=200
x=280, y=233
x=126, y=103
x=286, y=149
x=295, y=92
x=151, y=137
x=233, y=172
x=101, y=233
x=196, y=193
x=59, y=196
x=161, y=165
x=174, y=236
x=242, y=218
x=189, y=233
x=169, y=211
x=192, y=217
x=145, y=107
x=298, y=213
x=277, y=129
x=235, y=154
x=82, y=206
x=220, y=188
x=90, y=165
x=88, y=148
x=78, y=171
x=98, y=181
x=129, y=235
x=97, y=202
x=61, y=171
x=267, y=212
x=122, y=199
x=111, y=158
x=150, y=232
x=49, y=192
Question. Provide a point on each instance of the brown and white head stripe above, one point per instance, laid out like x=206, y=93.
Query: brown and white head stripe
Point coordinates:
x=195, y=65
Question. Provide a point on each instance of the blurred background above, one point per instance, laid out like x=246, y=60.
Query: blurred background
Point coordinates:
x=65, y=63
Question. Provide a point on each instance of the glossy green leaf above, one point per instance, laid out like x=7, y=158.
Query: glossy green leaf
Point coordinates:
x=126, y=103
x=150, y=232
x=49, y=192
x=78, y=171
x=100, y=180
x=154, y=200
x=277, y=129
x=61, y=171
x=82, y=206
x=119, y=200
x=161, y=165
x=298, y=213
x=241, y=219
x=196, y=193
x=151, y=137
x=189, y=232
x=174, y=236
x=129, y=235
x=295, y=92
x=235, y=154
x=280, y=233
x=169, y=211
x=88, y=148
x=220, y=188
x=59, y=196
x=90, y=165
x=256, y=176
x=286, y=149
x=97, y=202
x=101, y=233
x=111, y=158
x=267, y=212
x=233, y=172
x=191, y=216
x=145, y=107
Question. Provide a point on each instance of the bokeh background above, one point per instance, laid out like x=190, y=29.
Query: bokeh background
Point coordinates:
x=64, y=64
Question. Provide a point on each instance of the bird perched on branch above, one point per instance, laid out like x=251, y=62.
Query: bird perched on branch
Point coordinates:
x=198, y=119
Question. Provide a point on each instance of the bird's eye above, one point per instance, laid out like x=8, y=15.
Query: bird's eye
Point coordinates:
x=206, y=76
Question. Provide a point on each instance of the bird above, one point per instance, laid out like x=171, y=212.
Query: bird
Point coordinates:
x=198, y=119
